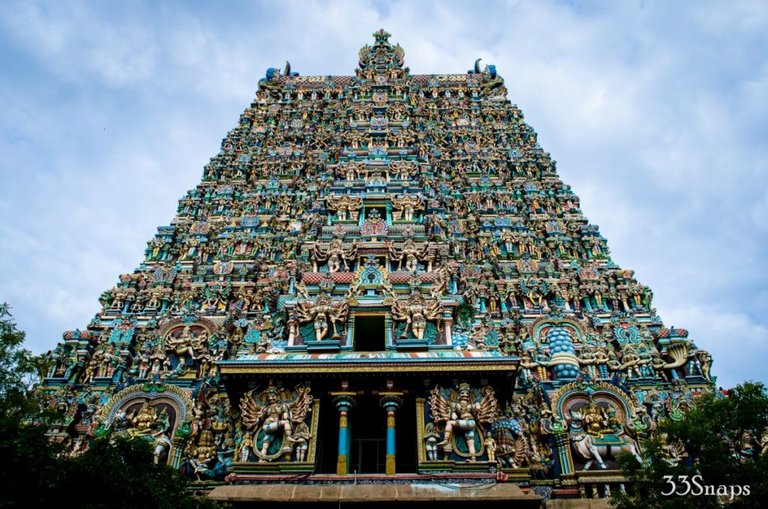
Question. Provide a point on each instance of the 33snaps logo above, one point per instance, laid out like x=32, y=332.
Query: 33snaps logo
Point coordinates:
x=685, y=485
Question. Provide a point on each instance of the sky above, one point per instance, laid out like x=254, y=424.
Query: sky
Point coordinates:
x=656, y=113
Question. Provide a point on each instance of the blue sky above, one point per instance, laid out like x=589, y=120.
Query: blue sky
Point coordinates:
x=657, y=113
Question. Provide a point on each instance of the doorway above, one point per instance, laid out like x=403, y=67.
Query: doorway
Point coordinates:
x=406, y=446
x=368, y=447
x=327, y=438
x=370, y=333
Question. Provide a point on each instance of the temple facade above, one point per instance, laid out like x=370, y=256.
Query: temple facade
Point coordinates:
x=380, y=277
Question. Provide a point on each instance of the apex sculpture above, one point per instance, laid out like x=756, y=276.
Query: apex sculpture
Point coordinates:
x=378, y=274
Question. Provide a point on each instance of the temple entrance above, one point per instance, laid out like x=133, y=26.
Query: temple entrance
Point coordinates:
x=368, y=447
x=406, y=445
x=327, y=439
x=368, y=455
x=369, y=333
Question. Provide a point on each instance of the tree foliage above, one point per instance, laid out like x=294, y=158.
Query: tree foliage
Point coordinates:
x=18, y=368
x=717, y=445
x=111, y=473
x=121, y=473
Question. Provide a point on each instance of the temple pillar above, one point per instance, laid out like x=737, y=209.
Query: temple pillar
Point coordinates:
x=293, y=328
x=177, y=452
x=563, y=445
x=391, y=401
x=448, y=322
x=389, y=340
x=343, y=402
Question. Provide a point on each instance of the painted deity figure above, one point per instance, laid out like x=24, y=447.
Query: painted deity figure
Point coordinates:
x=275, y=417
x=158, y=361
x=301, y=438
x=408, y=205
x=246, y=447
x=181, y=345
x=586, y=428
x=415, y=312
x=345, y=206
x=335, y=255
x=144, y=418
x=148, y=424
x=594, y=420
x=431, y=439
x=462, y=414
x=324, y=314
x=409, y=252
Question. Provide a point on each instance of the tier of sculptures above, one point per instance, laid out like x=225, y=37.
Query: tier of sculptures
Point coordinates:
x=426, y=195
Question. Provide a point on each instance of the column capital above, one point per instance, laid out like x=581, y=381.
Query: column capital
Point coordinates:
x=391, y=400
x=343, y=400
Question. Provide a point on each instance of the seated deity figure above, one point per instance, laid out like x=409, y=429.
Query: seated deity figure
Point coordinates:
x=594, y=420
x=145, y=417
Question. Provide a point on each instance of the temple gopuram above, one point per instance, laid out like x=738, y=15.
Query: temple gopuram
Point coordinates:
x=380, y=291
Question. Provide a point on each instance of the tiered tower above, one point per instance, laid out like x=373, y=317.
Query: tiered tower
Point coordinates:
x=379, y=274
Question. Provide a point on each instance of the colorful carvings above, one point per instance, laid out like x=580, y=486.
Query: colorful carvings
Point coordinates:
x=275, y=420
x=462, y=415
x=388, y=218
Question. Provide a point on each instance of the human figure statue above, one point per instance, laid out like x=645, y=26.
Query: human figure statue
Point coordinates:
x=431, y=439
x=415, y=312
x=324, y=314
x=276, y=419
x=301, y=438
x=181, y=345
x=463, y=415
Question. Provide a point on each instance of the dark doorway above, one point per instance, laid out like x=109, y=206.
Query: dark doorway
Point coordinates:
x=405, y=437
x=368, y=456
x=369, y=333
x=327, y=438
x=368, y=448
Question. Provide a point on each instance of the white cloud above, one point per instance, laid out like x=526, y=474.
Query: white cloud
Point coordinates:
x=738, y=343
x=656, y=113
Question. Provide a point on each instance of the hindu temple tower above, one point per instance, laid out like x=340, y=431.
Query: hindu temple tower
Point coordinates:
x=382, y=286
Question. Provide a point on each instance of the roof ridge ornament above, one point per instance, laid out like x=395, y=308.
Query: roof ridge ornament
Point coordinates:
x=382, y=57
x=382, y=37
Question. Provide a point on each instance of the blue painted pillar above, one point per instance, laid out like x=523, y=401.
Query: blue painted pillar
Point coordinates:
x=344, y=401
x=391, y=401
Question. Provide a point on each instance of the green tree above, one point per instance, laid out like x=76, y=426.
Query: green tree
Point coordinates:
x=112, y=473
x=720, y=438
x=30, y=469
x=119, y=473
x=18, y=368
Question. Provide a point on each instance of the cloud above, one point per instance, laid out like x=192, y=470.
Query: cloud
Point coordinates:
x=75, y=43
x=732, y=365
x=661, y=127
